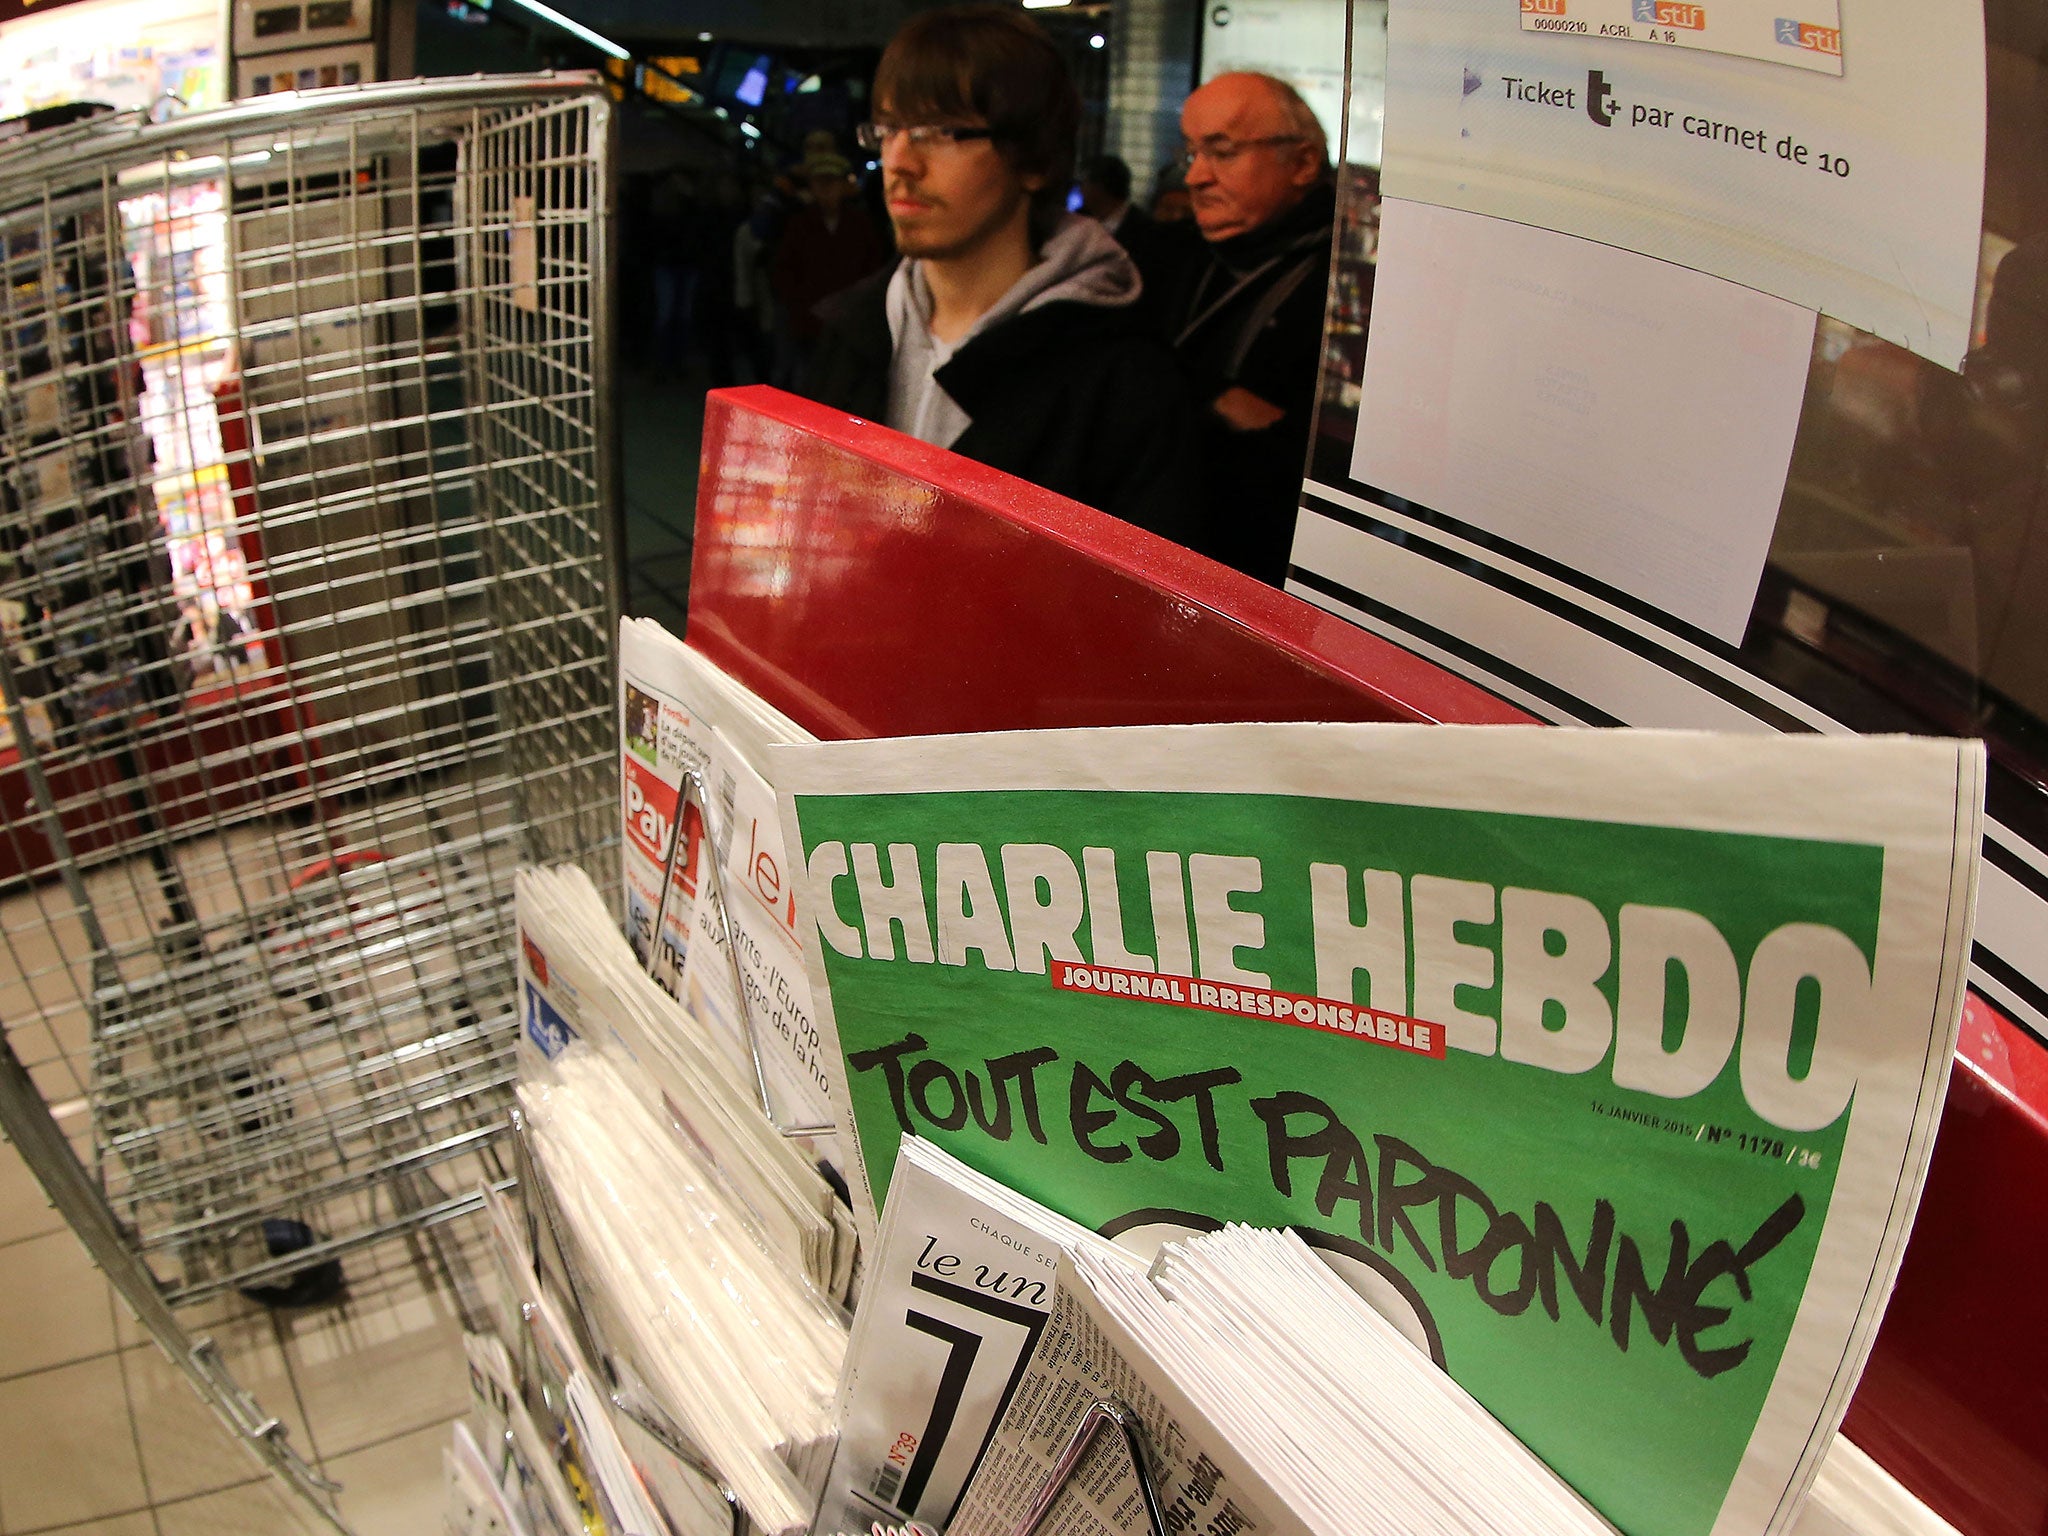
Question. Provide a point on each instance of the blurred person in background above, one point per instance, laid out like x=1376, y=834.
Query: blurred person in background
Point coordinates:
x=827, y=245
x=718, y=312
x=1106, y=198
x=676, y=233
x=1009, y=329
x=1170, y=203
x=753, y=293
x=1246, y=316
x=636, y=269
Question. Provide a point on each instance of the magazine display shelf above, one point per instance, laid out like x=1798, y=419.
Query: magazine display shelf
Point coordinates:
x=868, y=585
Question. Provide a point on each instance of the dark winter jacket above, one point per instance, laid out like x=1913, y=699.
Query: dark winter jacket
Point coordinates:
x=814, y=261
x=1248, y=311
x=1079, y=398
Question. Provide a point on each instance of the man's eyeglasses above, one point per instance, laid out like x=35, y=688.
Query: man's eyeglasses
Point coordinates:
x=1223, y=151
x=920, y=136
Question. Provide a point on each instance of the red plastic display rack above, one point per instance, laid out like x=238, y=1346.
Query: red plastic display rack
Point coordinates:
x=211, y=757
x=869, y=585
x=227, y=745
x=872, y=586
x=1954, y=1401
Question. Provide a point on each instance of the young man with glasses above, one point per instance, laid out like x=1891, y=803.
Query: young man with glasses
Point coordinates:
x=1009, y=330
x=1245, y=313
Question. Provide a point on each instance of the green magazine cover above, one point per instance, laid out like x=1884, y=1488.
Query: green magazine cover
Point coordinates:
x=1606, y=1063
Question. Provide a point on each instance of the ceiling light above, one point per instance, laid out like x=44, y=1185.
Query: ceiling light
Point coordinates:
x=1097, y=40
x=576, y=29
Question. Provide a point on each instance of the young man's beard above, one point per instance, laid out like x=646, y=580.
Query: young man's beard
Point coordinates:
x=920, y=240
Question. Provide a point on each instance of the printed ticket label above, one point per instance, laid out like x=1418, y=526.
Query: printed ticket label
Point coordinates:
x=1788, y=181
x=1806, y=34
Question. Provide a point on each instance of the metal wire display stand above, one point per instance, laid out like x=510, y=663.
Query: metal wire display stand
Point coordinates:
x=290, y=698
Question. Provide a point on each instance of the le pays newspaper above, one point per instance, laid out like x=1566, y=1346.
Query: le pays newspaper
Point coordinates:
x=1607, y=1064
x=679, y=713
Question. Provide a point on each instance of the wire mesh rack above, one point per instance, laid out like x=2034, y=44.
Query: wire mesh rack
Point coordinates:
x=308, y=595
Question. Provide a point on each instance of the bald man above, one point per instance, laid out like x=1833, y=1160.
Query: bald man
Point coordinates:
x=1245, y=315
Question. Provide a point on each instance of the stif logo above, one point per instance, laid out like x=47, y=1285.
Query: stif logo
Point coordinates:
x=1543, y=7
x=1804, y=34
x=1670, y=13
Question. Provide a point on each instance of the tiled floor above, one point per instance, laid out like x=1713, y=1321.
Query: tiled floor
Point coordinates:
x=102, y=1435
x=99, y=1432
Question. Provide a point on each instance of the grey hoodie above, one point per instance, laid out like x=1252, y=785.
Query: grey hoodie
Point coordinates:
x=1080, y=262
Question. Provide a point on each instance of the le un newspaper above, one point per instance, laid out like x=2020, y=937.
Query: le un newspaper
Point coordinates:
x=1607, y=1064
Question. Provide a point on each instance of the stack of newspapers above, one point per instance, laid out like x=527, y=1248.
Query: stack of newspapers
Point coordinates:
x=669, y=1357
x=581, y=982
x=956, y=1298
x=712, y=903
x=1265, y=1393
x=1604, y=1066
x=1261, y=1393
x=690, y=1262
x=1276, y=1401
x=544, y=1452
x=724, y=1334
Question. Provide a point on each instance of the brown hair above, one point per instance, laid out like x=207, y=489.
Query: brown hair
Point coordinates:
x=995, y=63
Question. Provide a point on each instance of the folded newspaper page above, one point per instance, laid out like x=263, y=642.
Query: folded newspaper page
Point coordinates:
x=956, y=1294
x=1607, y=1064
x=678, y=712
x=1196, y=1472
x=1272, y=1397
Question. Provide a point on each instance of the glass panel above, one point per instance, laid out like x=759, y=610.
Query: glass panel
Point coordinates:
x=1912, y=528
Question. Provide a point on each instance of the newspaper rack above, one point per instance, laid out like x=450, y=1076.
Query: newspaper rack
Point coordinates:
x=829, y=559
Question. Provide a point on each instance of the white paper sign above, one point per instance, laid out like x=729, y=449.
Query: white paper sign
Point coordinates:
x=1859, y=195
x=1626, y=417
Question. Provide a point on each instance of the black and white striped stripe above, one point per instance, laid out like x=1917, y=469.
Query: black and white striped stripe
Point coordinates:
x=1574, y=653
